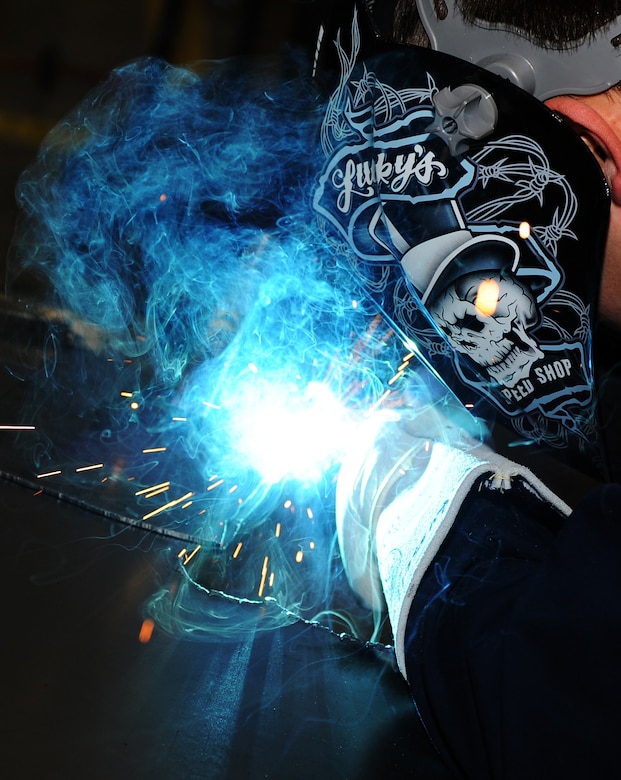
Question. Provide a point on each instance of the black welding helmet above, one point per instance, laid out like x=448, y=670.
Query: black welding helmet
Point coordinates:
x=476, y=219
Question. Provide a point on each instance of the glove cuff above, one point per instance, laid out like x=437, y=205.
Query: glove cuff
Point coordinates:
x=412, y=527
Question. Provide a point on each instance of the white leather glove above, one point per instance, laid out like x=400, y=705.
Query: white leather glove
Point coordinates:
x=398, y=493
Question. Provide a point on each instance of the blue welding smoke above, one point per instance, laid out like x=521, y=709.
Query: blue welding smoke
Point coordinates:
x=148, y=206
x=171, y=214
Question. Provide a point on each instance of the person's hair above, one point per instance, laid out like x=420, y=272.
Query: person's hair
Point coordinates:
x=407, y=26
x=553, y=23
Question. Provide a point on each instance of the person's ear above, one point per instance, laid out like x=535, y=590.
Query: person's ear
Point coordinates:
x=598, y=133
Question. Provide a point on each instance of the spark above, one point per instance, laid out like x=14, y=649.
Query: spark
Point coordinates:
x=49, y=474
x=278, y=529
x=299, y=556
x=381, y=399
x=153, y=487
x=309, y=513
x=167, y=506
x=146, y=631
x=189, y=557
x=179, y=419
x=406, y=361
x=263, y=576
x=89, y=468
x=150, y=450
x=215, y=485
x=126, y=394
x=157, y=492
x=402, y=369
x=17, y=428
x=134, y=405
x=524, y=230
x=237, y=549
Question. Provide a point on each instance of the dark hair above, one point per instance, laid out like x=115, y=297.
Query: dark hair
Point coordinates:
x=553, y=23
x=407, y=27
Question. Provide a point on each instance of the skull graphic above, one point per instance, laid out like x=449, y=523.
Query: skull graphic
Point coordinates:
x=491, y=328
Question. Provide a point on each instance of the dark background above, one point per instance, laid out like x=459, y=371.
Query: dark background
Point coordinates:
x=53, y=53
x=82, y=697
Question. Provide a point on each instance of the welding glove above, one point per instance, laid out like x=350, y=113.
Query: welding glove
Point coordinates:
x=398, y=493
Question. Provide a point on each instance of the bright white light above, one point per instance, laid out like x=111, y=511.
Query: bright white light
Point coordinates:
x=286, y=432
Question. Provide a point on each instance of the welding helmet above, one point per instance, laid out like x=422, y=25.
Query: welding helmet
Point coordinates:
x=475, y=218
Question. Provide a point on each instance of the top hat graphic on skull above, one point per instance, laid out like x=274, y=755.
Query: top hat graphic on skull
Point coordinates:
x=471, y=286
